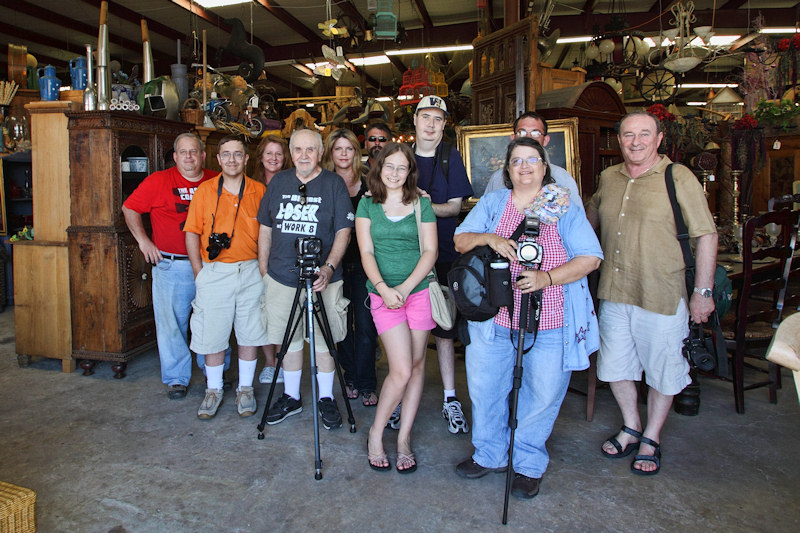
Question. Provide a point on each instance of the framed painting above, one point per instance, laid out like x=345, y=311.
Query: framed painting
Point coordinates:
x=483, y=149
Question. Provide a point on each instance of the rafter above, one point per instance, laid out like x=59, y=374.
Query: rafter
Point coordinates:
x=419, y=5
x=284, y=16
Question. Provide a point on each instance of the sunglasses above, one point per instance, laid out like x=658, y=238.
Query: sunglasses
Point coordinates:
x=302, y=190
x=373, y=139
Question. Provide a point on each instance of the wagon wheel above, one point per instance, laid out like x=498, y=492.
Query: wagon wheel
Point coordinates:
x=138, y=280
x=658, y=85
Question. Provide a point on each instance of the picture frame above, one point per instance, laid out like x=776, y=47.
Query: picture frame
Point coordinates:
x=483, y=150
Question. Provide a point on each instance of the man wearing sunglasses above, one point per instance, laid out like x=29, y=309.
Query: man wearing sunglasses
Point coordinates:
x=530, y=124
x=378, y=134
x=305, y=201
x=222, y=242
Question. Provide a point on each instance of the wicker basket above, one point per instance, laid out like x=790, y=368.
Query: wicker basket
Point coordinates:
x=192, y=112
x=17, y=509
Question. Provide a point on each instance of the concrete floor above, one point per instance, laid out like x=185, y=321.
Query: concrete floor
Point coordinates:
x=117, y=455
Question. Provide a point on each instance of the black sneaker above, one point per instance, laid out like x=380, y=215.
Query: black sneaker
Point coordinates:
x=283, y=407
x=329, y=412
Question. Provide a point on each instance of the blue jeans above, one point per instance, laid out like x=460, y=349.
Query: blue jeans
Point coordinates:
x=490, y=366
x=357, y=350
x=173, y=292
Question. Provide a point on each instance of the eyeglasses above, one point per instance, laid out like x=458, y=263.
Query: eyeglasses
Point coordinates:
x=226, y=156
x=373, y=139
x=302, y=190
x=517, y=161
x=534, y=134
x=402, y=170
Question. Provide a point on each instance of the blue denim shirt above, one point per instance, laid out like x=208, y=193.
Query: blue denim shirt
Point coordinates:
x=581, y=335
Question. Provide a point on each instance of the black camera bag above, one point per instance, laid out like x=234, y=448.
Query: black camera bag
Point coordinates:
x=467, y=281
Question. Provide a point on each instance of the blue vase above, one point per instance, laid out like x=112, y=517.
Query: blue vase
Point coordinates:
x=78, y=72
x=49, y=84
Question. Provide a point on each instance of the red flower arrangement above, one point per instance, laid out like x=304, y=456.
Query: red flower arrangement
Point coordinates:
x=747, y=122
x=796, y=41
x=784, y=44
x=661, y=112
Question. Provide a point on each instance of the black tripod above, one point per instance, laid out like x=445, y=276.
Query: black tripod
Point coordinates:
x=314, y=308
x=531, y=326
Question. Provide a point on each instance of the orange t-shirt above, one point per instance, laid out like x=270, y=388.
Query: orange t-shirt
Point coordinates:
x=244, y=244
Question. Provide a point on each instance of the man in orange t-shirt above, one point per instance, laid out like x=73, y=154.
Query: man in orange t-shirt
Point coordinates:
x=222, y=243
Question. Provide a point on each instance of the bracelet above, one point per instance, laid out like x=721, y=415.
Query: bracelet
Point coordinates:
x=550, y=278
x=376, y=285
x=333, y=268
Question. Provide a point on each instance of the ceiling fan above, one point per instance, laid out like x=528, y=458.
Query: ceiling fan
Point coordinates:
x=331, y=30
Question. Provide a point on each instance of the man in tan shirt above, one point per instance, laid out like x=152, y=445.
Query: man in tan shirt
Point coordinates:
x=643, y=312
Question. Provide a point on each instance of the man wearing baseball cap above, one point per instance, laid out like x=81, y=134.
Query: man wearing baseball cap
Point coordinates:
x=443, y=179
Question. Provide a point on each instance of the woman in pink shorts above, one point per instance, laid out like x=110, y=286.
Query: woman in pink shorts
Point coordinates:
x=386, y=228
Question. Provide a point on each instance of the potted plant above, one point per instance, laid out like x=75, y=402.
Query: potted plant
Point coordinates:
x=779, y=115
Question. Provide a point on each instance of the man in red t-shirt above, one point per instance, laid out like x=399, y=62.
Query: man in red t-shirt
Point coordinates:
x=165, y=195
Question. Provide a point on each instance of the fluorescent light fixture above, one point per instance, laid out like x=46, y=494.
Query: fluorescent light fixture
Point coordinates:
x=220, y=3
x=708, y=85
x=433, y=50
x=383, y=99
x=580, y=39
x=780, y=30
x=367, y=61
x=697, y=103
x=312, y=66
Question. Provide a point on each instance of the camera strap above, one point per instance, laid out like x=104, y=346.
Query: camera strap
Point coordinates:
x=219, y=194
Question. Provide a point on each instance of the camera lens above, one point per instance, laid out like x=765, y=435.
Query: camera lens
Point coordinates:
x=703, y=360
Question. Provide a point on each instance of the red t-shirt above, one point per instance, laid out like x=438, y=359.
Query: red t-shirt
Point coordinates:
x=166, y=195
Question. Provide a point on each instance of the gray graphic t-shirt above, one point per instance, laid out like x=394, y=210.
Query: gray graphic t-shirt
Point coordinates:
x=320, y=210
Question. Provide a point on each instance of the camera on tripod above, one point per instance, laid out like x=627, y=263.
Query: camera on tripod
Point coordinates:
x=698, y=350
x=216, y=243
x=308, y=255
x=530, y=252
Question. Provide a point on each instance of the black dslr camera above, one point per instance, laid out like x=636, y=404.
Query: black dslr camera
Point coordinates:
x=308, y=255
x=530, y=252
x=216, y=243
x=699, y=350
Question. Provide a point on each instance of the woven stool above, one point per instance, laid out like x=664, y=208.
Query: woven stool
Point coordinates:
x=17, y=509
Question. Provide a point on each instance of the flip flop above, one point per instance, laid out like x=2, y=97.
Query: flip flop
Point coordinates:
x=628, y=449
x=406, y=457
x=379, y=458
x=352, y=392
x=369, y=399
x=655, y=458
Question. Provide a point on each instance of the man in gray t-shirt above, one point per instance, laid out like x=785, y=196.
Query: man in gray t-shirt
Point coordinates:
x=306, y=201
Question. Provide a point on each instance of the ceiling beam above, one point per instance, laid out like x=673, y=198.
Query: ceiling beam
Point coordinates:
x=60, y=20
x=398, y=64
x=284, y=16
x=215, y=20
x=419, y=5
x=118, y=10
x=732, y=4
x=38, y=38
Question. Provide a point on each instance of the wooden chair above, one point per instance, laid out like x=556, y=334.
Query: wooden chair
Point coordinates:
x=758, y=304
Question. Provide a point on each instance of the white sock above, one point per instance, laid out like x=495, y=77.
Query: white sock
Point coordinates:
x=325, y=382
x=449, y=394
x=247, y=370
x=291, y=383
x=214, y=376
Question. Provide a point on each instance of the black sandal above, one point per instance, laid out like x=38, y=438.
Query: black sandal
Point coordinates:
x=628, y=449
x=655, y=458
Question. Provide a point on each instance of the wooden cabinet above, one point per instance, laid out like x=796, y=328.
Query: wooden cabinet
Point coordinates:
x=598, y=109
x=110, y=283
x=41, y=274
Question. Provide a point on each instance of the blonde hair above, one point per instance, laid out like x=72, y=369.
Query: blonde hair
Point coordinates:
x=327, y=158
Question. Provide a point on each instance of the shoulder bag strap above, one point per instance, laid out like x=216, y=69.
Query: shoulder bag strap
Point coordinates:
x=680, y=225
x=417, y=205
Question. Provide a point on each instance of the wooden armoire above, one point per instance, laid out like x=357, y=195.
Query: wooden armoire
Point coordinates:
x=598, y=109
x=110, y=282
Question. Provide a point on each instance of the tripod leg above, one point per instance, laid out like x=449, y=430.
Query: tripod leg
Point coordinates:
x=514, y=402
x=314, y=392
x=325, y=326
x=287, y=335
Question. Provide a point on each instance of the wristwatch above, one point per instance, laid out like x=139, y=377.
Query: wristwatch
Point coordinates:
x=333, y=269
x=705, y=292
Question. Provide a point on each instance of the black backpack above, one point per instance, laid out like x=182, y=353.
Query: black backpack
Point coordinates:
x=467, y=281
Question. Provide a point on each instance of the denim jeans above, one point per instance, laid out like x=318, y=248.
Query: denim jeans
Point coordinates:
x=490, y=366
x=357, y=350
x=173, y=292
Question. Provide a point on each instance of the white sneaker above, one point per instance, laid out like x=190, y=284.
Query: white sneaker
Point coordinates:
x=245, y=401
x=211, y=402
x=267, y=374
x=451, y=411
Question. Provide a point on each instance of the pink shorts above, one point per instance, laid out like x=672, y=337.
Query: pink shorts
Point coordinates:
x=416, y=311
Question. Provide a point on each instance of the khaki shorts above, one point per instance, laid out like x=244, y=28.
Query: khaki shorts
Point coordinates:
x=633, y=340
x=228, y=295
x=277, y=305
